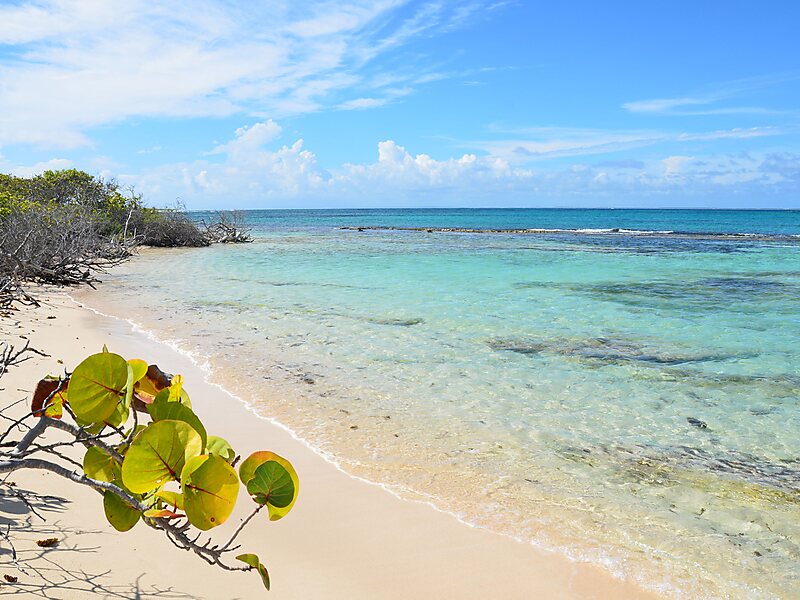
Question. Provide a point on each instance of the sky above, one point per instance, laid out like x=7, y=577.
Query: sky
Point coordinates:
x=392, y=103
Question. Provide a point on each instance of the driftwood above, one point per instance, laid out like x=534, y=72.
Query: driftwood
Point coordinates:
x=227, y=228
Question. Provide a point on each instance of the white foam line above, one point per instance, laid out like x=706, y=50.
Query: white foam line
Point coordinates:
x=608, y=562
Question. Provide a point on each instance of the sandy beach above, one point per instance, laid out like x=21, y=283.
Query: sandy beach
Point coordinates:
x=346, y=538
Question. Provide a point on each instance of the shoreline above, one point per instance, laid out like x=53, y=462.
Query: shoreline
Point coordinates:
x=437, y=555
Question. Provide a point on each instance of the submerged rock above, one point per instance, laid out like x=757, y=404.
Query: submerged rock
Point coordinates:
x=397, y=322
x=697, y=423
x=603, y=350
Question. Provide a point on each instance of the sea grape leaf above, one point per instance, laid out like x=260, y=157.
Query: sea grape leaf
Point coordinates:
x=98, y=465
x=123, y=409
x=168, y=396
x=174, y=499
x=277, y=485
x=44, y=388
x=253, y=561
x=272, y=485
x=120, y=415
x=55, y=408
x=161, y=513
x=139, y=368
x=175, y=387
x=119, y=513
x=128, y=397
x=158, y=454
x=96, y=386
x=220, y=447
x=154, y=381
x=163, y=409
x=210, y=488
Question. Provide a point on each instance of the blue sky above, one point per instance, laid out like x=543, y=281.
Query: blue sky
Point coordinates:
x=394, y=103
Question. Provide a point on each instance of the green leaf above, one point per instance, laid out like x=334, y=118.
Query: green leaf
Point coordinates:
x=162, y=409
x=55, y=408
x=161, y=513
x=96, y=385
x=174, y=499
x=123, y=409
x=271, y=480
x=158, y=454
x=120, y=415
x=119, y=513
x=220, y=447
x=99, y=465
x=175, y=388
x=210, y=488
x=139, y=368
x=169, y=396
x=253, y=561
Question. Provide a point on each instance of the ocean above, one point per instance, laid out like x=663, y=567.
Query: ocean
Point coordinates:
x=621, y=386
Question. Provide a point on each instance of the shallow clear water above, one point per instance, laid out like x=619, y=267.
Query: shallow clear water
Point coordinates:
x=624, y=399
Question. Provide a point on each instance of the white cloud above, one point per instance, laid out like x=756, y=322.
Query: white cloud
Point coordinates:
x=53, y=164
x=250, y=139
x=709, y=101
x=673, y=165
x=290, y=176
x=544, y=143
x=663, y=105
x=71, y=65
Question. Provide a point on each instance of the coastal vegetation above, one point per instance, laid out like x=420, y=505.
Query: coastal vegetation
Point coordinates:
x=65, y=227
x=168, y=473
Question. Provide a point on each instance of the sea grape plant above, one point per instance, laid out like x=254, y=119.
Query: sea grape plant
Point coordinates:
x=162, y=469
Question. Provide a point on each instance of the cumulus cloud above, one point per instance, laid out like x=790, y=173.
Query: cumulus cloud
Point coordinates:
x=250, y=139
x=289, y=175
x=53, y=164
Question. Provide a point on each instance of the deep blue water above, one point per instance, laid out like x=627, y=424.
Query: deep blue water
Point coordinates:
x=779, y=222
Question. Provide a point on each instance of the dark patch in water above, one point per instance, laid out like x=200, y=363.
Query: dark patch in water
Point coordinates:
x=742, y=285
x=780, y=386
x=782, y=475
x=607, y=351
x=697, y=423
x=735, y=293
x=397, y=322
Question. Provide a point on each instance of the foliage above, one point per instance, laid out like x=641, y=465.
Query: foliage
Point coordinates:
x=65, y=227
x=167, y=473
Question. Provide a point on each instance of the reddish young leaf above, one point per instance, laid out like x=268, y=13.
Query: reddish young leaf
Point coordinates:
x=43, y=391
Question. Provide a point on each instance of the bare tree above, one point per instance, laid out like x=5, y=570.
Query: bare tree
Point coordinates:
x=228, y=228
x=58, y=245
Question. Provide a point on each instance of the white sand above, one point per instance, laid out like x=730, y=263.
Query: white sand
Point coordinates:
x=344, y=539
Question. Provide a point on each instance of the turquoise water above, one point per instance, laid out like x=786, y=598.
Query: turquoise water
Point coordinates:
x=626, y=399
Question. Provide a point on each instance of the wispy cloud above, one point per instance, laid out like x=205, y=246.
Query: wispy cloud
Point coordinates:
x=711, y=101
x=67, y=66
x=544, y=143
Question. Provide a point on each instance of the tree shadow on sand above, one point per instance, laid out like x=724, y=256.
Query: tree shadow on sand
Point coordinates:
x=39, y=572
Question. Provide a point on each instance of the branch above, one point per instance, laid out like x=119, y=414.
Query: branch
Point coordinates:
x=241, y=526
x=9, y=466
